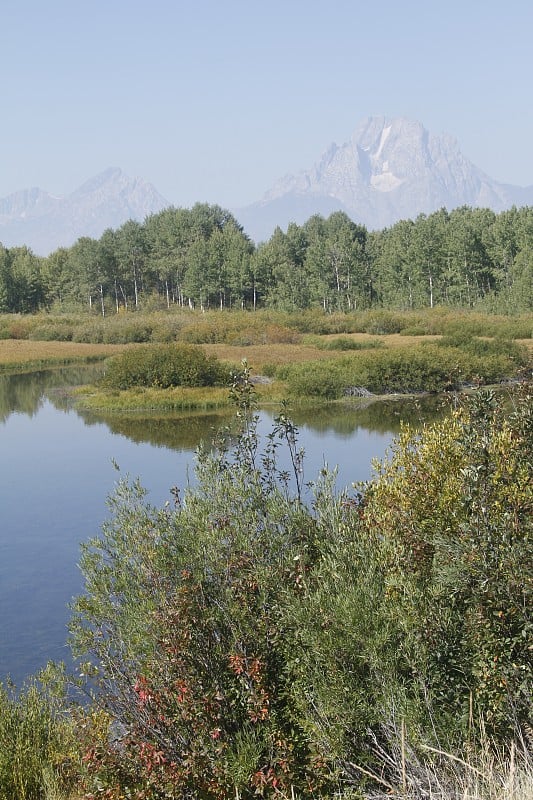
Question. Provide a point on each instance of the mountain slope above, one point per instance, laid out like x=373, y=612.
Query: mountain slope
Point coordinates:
x=390, y=169
x=43, y=222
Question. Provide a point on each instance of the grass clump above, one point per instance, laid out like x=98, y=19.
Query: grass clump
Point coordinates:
x=163, y=367
x=39, y=752
x=140, y=400
x=346, y=343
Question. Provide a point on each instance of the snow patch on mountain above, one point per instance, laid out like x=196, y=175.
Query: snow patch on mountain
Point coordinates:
x=390, y=169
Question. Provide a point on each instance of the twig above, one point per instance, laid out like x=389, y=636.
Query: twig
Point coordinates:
x=454, y=758
x=371, y=775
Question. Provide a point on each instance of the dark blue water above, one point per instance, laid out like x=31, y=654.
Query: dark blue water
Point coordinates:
x=57, y=469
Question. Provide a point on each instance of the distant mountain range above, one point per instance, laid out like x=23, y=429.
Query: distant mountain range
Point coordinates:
x=36, y=218
x=390, y=169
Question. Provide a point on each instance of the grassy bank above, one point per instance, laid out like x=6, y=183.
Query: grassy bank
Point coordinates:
x=17, y=355
x=305, y=354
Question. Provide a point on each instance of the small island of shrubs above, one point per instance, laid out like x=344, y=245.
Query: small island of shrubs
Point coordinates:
x=164, y=367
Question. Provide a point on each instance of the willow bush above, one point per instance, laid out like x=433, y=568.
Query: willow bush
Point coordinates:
x=164, y=366
x=257, y=636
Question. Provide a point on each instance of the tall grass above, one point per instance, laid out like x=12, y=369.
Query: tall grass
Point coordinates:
x=409, y=767
x=39, y=756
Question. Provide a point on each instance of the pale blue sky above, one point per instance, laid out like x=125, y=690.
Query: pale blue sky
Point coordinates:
x=215, y=100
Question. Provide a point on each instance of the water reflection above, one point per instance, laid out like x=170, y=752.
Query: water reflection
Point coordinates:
x=23, y=393
x=379, y=416
x=179, y=432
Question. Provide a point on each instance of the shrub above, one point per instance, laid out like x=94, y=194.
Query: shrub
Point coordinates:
x=89, y=332
x=127, y=332
x=450, y=513
x=487, y=347
x=51, y=332
x=165, y=332
x=19, y=328
x=196, y=642
x=164, y=366
x=345, y=343
x=384, y=322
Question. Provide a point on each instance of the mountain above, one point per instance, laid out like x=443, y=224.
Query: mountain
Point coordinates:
x=390, y=169
x=43, y=222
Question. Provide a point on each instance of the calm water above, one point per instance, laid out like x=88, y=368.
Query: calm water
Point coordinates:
x=57, y=468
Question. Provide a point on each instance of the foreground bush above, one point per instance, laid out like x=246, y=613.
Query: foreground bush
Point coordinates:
x=164, y=366
x=261, y=638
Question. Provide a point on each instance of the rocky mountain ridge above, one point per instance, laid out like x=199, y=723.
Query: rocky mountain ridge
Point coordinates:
x=390, y=169
x=36, y=218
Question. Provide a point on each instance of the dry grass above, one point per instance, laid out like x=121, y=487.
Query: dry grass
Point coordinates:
x=418, y=771
x=259, y=355
x=16, y=353
x=526, y=343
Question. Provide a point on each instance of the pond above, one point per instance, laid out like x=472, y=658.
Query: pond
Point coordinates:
x=58, y=466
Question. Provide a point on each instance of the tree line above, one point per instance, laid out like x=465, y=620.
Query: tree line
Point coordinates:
x=202, y=258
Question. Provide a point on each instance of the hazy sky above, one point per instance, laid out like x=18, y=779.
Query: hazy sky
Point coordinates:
x=214, y=100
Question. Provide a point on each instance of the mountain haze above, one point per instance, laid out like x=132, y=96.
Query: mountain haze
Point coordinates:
x=36, y=218
x=390, y=169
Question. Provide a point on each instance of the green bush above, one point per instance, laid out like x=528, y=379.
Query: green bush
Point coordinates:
x=384, y=322
x=488, y=325
x=89, y=333
x=134, y=332
x=164, y=366
x=193, y=607
x=487, y=347
x=451, y=514
x=431, y=368
x=345, y=343
x=315, y=379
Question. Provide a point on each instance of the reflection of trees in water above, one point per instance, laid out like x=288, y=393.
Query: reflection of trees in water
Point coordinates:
x=23, y=393
x=379, y=416
x=177, y=432
x=187, y=432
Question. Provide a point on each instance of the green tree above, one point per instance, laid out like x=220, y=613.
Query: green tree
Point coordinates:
x=28, y=292
x=6, y=282
x=284, y=255
x=86, y=273
x=130, y=252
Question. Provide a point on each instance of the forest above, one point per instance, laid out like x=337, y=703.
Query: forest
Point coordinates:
x=202, y=258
